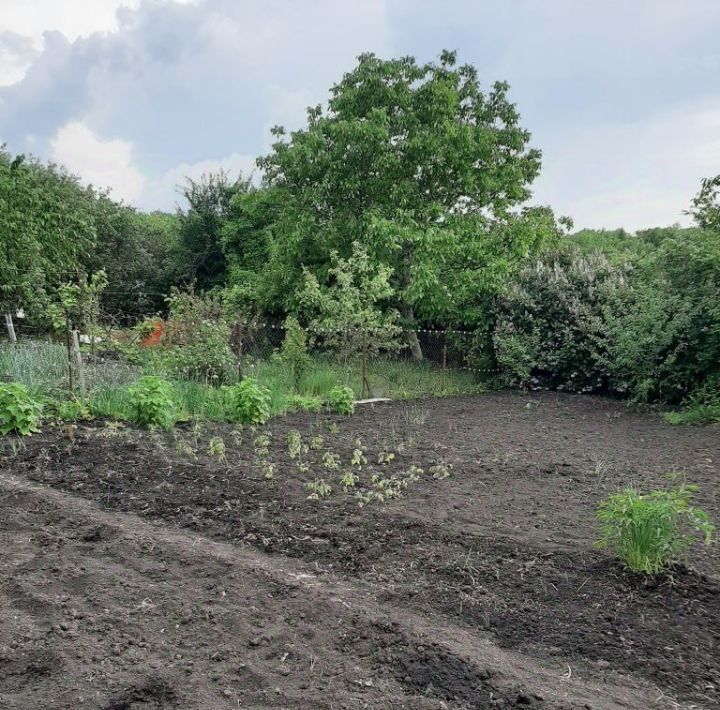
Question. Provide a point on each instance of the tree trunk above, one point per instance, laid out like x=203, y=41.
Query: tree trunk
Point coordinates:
x=412, y=339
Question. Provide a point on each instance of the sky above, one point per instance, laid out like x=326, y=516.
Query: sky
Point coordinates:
x=621, y=96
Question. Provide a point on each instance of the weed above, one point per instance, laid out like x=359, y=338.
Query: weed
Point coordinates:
x=648, y=531
x=250, y=402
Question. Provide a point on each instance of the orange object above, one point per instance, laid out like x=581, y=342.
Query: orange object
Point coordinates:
x=154, y=337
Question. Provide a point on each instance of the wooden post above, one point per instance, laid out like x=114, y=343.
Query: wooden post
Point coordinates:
x=365, y=383
x=79, y=364
x=444, y=354
x=10, y=327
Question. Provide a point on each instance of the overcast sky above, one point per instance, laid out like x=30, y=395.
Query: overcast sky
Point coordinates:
x=621, y=96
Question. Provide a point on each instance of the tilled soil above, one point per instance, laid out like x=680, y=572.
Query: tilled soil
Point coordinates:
x=154, y=570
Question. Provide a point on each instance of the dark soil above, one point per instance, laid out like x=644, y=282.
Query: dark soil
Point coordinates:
x=141, y=571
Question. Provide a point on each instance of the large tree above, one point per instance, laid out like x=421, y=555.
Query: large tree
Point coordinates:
x=46, y=228
x=420, y=166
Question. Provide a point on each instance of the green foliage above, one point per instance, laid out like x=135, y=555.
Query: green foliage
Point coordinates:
x=152, y=402
x=701, y=407
x=550, y=328
x=197, y=338
x=305, y=403
x=201, y=256
x=19, y=411
x=46, y=228
x=422, y=168
x=68, y=410
x=341, y=400
x=250, y=402
x=649, y=531
x=347, y=314
x=294, y=350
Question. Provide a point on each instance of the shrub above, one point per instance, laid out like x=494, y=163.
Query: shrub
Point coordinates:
x=152, y=402
x=550, y=329
x=648, y=531
x=209, y=359
x=19, y=412
x=341, y=399
x=250, y=402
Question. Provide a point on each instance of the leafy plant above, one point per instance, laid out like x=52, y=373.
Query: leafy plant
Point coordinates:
x=152, y=402
x=295, y=444
x=250, y=402
x=331, y=461
x=649, y=531
x=341, y=399
x=216, y=448
x=319, y=487
x=19, y=411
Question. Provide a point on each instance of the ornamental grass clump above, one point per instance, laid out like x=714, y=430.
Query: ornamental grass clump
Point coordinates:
x=649, y=531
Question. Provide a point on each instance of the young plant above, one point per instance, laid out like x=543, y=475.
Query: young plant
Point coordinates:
x=152, y=402
x=316, y=442
x=358, y=457
x=250, y=402
x=216, y=448
x=295, y=444
x=267, y=468
x=262, y=444
x=341, y=399
x=331, y=461
x=349, y=480
x=440, y=471
x=19, y=412
x=649, y=531
x=319, y=488
x=294, y=350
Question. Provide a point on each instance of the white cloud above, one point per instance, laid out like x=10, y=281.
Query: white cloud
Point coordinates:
x=632, y=174
x=102, y=163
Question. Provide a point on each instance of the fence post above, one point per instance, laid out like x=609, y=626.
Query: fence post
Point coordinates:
x=79, y=364
x=10, y=327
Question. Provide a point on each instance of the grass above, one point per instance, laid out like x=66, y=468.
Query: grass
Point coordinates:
x=42, y=367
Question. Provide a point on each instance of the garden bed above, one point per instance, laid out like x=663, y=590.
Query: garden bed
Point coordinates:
x=152, y=570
